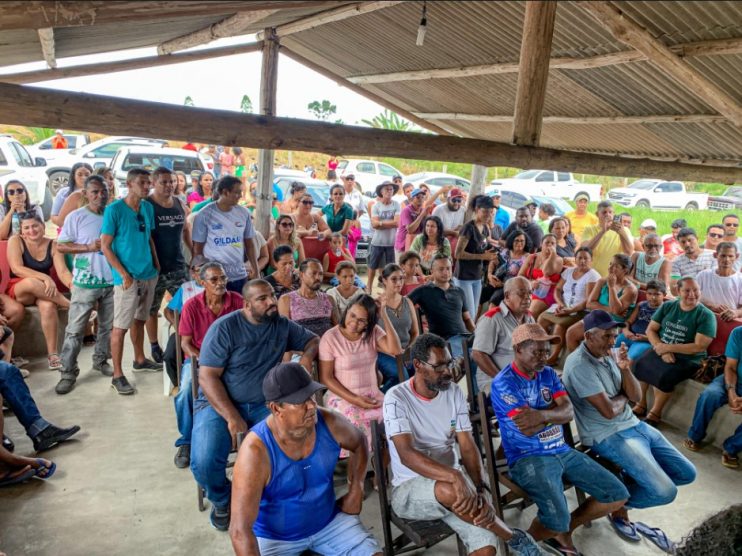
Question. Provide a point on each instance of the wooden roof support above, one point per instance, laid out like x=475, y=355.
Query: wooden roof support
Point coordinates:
x=533, y=71
x=125, y=65
x=329, y=16
x=637, y=37
x=717, y=47
x=268, y=83
x=46, y=38
x=34, y=106
x=580, y=120
x=229, y=27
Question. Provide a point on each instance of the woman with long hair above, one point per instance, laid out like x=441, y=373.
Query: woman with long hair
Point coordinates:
x=107, y=174
x=296, y=193
x=543, y=269
x=204, y=190
x=566, y=243
x=431, y=242
x=284, y=233
x=15, y=202
x=181, y=185
x=308, y=223
x=413, y=276
x=76, y=181
x=507, y=265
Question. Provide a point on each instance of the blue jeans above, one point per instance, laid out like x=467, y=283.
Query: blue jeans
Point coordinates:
x=636, y=349
x=387, y=366
x=14, y=390
x=184, y=405
x=472, y=291
x=655, y=466
x=713, y=398
x=210, y=447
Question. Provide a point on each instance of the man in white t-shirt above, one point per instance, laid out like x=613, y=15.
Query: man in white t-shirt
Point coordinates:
x=424, y=417
x=721, y=288
x=452, y=213
x=352, y=195
x=384, y=221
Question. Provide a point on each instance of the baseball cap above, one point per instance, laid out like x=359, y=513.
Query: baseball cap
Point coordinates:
x=601, y=319
x=58, y=131
x=679, y=223
x=349, y=177
x=455, y=192
x=582, y=196
x=534, y=332
x=417, y=191
x=289, y=383
x=649, y=223
x=195, y=174
x=396, y=177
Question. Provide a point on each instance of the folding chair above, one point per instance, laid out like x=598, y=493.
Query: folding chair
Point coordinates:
x=414, y=534
x=402, y=359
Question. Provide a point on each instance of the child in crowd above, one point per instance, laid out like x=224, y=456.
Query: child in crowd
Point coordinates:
x=346, y=290
x=413, y=276
x=336, y=254
x=635, y=335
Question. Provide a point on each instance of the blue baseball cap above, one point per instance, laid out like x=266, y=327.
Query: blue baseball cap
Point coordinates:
x=601, y=319
x=417, y=191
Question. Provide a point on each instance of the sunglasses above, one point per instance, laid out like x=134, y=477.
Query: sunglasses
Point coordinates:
x=717, y=236
x=16, y=191
x=456, y=200
x=732, y=225
x=286, y=224
x=140, y=221
x=307, y=203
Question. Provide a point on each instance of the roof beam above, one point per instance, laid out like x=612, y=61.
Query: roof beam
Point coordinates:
x=126, y=65
x=329, y=16
x=580, y=120
x=533, y=71
x=694, y=49
x=68, y=110
x=663, y=58
x=46, y=38
x=229, y=27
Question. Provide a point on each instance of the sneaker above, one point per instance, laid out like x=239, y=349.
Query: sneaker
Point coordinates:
x=25, y=373
x=183, y=456
x=147, y=365
x=157, y=353
x=219, y=518
x=103, y=368
x=19, y=361
x=65, y=385
x=8, y=444
x=51, y=436
x=122, y=386
x=523, y=544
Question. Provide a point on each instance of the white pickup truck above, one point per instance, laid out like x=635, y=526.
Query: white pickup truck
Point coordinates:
x=550, y=184
x=658, y=194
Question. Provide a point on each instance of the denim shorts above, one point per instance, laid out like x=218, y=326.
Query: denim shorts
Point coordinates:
x=542, y=477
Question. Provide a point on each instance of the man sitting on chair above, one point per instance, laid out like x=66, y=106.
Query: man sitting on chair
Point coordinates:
x=531, y=406
x=424, y=417
x=283, y=500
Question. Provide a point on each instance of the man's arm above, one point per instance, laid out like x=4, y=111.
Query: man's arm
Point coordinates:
x=252, y=258
x=251, y=474
x=471, y=459
x=189, y=348
x=532, y=421
x=106, y=243
x=153, y=252
x=309, y=353
x=210, y=380
x=627, y=244
x=592, y=243
x=485, y=363
x=350, y=438
x=730, y=384
x=468, y=322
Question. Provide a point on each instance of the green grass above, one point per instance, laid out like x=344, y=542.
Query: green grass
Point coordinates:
x=699, y=220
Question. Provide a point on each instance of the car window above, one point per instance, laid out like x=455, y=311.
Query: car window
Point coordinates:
x=3, y=160
x=23, y=158
x=438, y=181
x=674, y=187
x=562, y=176
x=342, y=165
x=545, y=176
x=366, y=167
x=71, y=141
x=105, y=151
x=151, y=161
x=386, y=170
x=46, y=144
x=462, y=183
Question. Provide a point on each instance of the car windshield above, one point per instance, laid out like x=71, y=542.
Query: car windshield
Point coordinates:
x=560, y=205
x=175, y=162
x=733, y=192
x=646, y=185
x=527, y=175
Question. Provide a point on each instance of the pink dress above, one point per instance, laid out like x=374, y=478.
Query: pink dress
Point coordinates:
x=355, y=368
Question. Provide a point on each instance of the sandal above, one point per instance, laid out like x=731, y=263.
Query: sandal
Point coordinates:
x=624, y=528
x=22, y=475
x=561, y=549
x=55, y=362
x=639, y=410
x=657, y=536
x=43, y=471
x=691, y=445
x=652, y=419
x=730, y=461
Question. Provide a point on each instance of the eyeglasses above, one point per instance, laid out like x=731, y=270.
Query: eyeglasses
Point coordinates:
x=650, y=228
x=140, y=221
x=717, y=236
x=310, y=203
x=657, y=245
x=217, y=280
x=441, y=367
x=286, y=224
x=731, y=225
x=16, y=191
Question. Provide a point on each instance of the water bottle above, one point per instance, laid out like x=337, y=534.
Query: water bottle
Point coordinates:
x=16, y=224
x=542, y=289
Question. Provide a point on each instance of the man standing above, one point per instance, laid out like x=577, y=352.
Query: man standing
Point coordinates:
x=220, y=231
x=238, y=351
x=352, y=195
x=600, y=390
x=92, y=284
x=502, y=217
x=410, y=220
x=714, y=236
x=607, y=238
x=169, y=232
x=297, y=445
x=693, y=260
x=731, y=228
x=424, y=418
x=546, y=212
x=523, y=223
x=670, y=244
x=580, y=218
x=531, y=406
x=452, y=214
x=384, y=220
x=127, y=243
x=493, y=348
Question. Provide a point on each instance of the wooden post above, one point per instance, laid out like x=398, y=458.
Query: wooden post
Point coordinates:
x=535, y=49
x=478, y=177
x=268, y=81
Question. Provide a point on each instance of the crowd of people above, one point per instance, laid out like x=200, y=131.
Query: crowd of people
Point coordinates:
x=569, y=317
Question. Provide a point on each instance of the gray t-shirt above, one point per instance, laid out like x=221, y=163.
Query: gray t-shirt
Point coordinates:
x=385, y=237
x=432, y=423
x=584, y=376
x=223, y=235
x=451, y=218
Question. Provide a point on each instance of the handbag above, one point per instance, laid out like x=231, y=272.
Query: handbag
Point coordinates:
x=710, y=368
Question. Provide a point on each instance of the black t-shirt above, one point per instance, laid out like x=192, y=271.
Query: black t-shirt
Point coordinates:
x=444, y=309
x=533, y=231
x=167, y=235
x=477, y=244
x=569, y=250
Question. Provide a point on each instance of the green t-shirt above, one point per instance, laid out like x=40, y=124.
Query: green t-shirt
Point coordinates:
x=202, y=204
x=337, y=221
x=680, y=327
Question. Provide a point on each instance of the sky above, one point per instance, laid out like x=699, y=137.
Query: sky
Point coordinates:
x=217, y=83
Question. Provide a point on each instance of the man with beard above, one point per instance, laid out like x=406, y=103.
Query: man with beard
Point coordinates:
x=308, y=306
x=531, y=405
x=423, y=418
x=238, y=351
x=524, y=223
x=607, y=238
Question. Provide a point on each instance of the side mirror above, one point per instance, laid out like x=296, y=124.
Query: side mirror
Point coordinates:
x=39, y=161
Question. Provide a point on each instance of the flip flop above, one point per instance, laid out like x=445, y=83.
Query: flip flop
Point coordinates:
x=44, y=472
x=624, y=528
x=561, y=549
x=25, y=476
x=657, y=536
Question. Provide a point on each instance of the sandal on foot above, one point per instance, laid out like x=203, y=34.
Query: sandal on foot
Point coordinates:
x=55, y=362
x=692, y=445
x=730, y=461
x=10, y=479
x=624, y=528
x=652, y=419
x=657, y=536
x=44, y=472
x=561, y=549
x=639, y=410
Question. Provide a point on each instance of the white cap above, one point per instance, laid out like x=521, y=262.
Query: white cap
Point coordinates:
x=649, y=223
x=58, y=131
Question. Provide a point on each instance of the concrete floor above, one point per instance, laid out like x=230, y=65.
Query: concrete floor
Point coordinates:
x=117, y=492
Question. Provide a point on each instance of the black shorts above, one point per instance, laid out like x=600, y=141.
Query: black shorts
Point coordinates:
x=650, y=368
x=380, y=256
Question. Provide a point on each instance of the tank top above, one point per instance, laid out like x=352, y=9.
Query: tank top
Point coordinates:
x=313, y=314
x=604, y=298
x=43, y=266
x=299, y=499
x=402, y=322
x=646, y=272
x=333, y=260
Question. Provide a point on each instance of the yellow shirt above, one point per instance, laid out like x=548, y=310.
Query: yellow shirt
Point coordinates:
x=579, y=223
x=609, y=245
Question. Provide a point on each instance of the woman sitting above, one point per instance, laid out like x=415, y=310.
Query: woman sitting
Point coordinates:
x=431, y=242
x=284, y=279
x=507, y=265
x=635, y=333
x=297, y=190
x=650, y=264
x=413, y=276
x=680, y=332
x=543, y=269
x=284, y=234
x=402, y=314
x=15, y=202
x=38, y=272
x=308, y=223
x=346, y=289
x=566, y=244
x=203, y=191
x=347, y=362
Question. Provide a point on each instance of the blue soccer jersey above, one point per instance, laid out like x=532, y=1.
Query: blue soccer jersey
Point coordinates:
x=511, y=391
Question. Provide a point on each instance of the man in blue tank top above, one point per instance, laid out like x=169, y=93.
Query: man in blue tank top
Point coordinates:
x=283, y=498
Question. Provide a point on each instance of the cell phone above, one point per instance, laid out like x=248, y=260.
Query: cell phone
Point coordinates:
x=617, y=219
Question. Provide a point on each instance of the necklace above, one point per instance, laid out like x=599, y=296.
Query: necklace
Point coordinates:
x=398, y=310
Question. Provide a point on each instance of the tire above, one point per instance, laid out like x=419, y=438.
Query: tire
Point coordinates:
x=643, y=204
x=58, y=180
x=691, y=206
x=46, y=205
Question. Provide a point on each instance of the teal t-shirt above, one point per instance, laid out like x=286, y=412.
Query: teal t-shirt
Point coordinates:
x=337, y=221
x=680, y=327
x=734, y=350
x=131, y=232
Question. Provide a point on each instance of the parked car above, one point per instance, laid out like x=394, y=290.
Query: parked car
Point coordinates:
x=44, y=148
x=731, y=199
x=98, y=154
x=318, y=189
x=368, y=173
x=150, y=157
x=436, y=180
x=550, y=184
x=658, y=194
x=17, y=164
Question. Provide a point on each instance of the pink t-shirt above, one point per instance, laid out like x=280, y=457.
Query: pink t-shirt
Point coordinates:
x=194, y=197
x=355, y=362
x=406, y=217
x=227, y=162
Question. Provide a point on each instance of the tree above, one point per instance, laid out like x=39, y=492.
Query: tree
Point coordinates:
x=246, y=105
x=390, y=120
x=322, y=110
x=188, y=101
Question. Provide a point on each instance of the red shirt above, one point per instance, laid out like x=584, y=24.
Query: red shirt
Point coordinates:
x=190, y=147
x=197, y=317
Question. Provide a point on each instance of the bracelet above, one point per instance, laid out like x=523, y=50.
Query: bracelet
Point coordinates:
x=481, y=488
x=730, y=386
